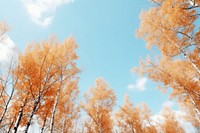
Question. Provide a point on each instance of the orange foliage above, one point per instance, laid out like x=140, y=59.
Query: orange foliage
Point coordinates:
x=130, y=119
x=171, y=26
x=170, y=125
x=44, y=70
x=99, y=102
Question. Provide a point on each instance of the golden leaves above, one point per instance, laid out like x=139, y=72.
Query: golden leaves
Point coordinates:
x=168, y=26
x=99, y=102
x=134, y=119
x=45, y=69
x=171, y=26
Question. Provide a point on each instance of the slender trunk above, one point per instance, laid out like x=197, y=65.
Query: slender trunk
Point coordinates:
x=185, y=56
x=43, y=125
x=10, y=126
x=195, y=106
x=18, y=119
x=32, y=114
x=54, y=110
x=6, y=107
x=131, y=127
x=185, y=91
x=55, y=104
x=195, y=66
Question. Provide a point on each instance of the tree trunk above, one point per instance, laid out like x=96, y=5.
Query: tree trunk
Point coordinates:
x=43, y=125
x=54, y=110
x=10, y=126
x=32, y=114
x=6, y=107
x=19, y=117
x=195, y=106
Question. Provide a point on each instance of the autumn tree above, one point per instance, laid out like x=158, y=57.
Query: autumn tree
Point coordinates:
x=8, y=81
x=66, y=113
x=171, y=123
x=130, y=119
x=149, y=125
x=172, y=27
x=98, y=105
x=47, y=74
x=8, y=84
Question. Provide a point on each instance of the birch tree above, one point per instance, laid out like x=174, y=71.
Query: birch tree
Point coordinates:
x=172, y=27
x=99, y=102
x=134, y=119
x=44, y=71
x=8, y=81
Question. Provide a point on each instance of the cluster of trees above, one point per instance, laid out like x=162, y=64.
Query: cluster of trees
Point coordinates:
x=41, y=87
x=172, y=27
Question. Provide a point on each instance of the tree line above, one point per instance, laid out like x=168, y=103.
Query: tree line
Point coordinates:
x=41, y=86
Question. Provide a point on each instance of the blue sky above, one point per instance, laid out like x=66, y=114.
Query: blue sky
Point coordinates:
x=105, y=33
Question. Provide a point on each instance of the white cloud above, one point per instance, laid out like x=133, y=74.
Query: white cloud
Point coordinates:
x=168, y=104
x=157, y=120
x=42, y=11
x=7, y=49
x=188, y=127
x=179, y=116
x=140, y=84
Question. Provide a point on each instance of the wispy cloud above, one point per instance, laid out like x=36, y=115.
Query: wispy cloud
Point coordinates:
x=7, y=49
x=168, y=104
x=42, y=11
x=187, y=126
x=139, y=85
x=179, y=115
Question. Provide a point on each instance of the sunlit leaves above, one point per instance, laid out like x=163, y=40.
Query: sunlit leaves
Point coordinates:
x=99, y=102
x=172, y=27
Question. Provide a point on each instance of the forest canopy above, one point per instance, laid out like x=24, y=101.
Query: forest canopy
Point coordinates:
x=39, y=87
